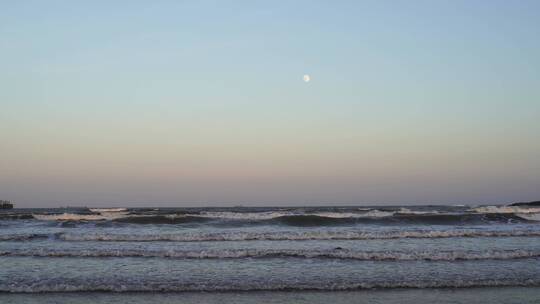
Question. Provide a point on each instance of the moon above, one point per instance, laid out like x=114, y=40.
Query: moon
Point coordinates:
x=307, y=78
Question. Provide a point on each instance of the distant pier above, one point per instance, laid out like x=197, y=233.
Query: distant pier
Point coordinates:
x=6, y=204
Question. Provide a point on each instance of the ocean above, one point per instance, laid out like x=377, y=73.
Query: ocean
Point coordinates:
x=412, y=254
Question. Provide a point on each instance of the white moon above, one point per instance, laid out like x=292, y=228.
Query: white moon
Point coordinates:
x=307, y=78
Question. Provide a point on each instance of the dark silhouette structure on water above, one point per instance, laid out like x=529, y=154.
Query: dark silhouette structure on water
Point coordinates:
x=6, y=204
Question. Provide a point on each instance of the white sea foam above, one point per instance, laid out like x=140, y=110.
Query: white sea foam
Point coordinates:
x=529, y=216
x=364, y=213
x=277, y=214
x=115, y=213
x=100, y=210
x=504, y=209
x=409, y=211
x=282, y=253
x=110, y=285
x=79, y=217
x=294, y=235
x=243, y=215
x=377, y=213
x=227, y=215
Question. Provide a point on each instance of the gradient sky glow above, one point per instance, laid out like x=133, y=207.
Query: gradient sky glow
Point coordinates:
x=190, y=103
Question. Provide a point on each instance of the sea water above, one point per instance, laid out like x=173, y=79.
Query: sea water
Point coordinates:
x=271, y=255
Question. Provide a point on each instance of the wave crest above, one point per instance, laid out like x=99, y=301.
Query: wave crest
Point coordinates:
x=105, y=285
x=22, y=237
x=338, y=253
x=480, y=215
x=295, y=235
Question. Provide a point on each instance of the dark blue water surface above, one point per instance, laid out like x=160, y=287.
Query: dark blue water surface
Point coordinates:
x=263, y=250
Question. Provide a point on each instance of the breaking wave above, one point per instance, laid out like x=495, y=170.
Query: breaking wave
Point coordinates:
x=338, y=253
x=530, y=216
x=16, y=216
x=270, y=236
x=161, y=219
x=299, y=217
x=77, y=217
x=398, y=219
x=303, y=220
x=505, y=209
x=22, y=237
x=107, y=285
x=101, y=210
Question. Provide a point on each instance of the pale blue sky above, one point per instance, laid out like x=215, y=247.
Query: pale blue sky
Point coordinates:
x=203, y=103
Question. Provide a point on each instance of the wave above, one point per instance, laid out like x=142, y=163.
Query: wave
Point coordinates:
x=400, y=218
x=359, y=213
x=77, y=217
x=108, y=285
x=120, y=217
x=298, y=220
x=374, y=213
x=271, y=236
x=338, y=253
x=100, y=210
x=505, y=209
x=312, y=220
x=114, y=213
x=16, y=216
x=22, y=237
x=161, y=219
x=530, y=217
x=293, y=235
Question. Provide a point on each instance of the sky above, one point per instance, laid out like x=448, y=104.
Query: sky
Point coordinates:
x=203, y=103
